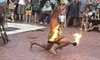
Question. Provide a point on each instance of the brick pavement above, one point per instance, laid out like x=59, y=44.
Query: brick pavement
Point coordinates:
x=18, y=47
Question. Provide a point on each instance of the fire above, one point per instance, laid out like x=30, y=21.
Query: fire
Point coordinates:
x=77, y=37
x=56, y=33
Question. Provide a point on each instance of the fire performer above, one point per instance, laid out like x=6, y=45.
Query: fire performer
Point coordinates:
x=54, y=36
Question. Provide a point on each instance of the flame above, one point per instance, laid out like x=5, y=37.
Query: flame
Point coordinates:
x=56, y=33
x=77, y=37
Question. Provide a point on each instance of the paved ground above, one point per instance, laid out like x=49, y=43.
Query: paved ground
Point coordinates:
x=18, y=47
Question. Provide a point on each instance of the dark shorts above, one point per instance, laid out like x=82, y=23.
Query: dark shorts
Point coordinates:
x=95, y=22
x=33, y=11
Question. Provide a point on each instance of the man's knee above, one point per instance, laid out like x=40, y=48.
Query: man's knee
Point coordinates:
x=67, y=42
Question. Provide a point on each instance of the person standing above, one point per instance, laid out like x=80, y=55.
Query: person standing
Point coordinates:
x=21, y=9
x=12, y=8
x=73, y=12
x=35, y=9
x=28, y=11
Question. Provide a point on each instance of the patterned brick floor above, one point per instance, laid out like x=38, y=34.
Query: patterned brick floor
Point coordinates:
x=18, y=47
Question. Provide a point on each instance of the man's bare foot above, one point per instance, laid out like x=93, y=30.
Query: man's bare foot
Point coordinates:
x=32, y=43
x=53, y=51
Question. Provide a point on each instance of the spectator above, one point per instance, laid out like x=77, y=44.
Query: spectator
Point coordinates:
x=15, y=11
x=73, y=12
x=82, y=8
x=86, y=15
x=46, y=12
x=12, y=8
x=35, y=9
x=62, y=16
x=95, y=19
x=28, y=11
x=21, y=9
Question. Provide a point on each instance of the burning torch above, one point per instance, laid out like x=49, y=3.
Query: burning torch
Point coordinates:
x=77, y=37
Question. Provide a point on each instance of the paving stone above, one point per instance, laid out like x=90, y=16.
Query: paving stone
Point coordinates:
x=18, y=47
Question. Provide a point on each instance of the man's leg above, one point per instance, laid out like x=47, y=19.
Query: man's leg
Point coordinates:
x=62, y=43
x=46, y=47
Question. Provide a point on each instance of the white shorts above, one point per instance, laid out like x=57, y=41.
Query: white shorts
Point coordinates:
x=62, y=18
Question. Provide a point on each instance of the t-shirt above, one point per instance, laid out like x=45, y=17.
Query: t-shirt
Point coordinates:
x=47, y=7
x=28, y=6
x=22, y=2
x=35, y=4
x=83, y=5
x=1, y=1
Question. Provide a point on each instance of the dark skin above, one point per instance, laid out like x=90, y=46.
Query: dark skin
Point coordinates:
x=60, y=42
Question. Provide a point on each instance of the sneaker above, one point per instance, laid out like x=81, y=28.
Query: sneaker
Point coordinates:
x=85, y=29
x=29, y=21
x=41, y=23
x=45, y=24
x=25, y=21
x=81, y=29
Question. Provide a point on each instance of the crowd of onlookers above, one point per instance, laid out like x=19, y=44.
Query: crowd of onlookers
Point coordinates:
x=83, y=13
